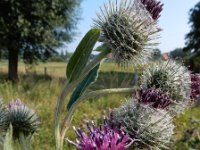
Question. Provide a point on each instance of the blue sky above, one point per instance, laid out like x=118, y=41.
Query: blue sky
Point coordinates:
x=173, y=21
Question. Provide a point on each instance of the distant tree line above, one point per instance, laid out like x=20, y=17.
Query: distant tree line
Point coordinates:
x=178, y=54
x=63, y=56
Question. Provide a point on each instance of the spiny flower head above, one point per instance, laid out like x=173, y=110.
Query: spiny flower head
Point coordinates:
x=154, y=7
x=101, y=138
x=151, y=128
x=23, y=119
x=154, y=97
x=128, y=29
x=170, y=77
x=195, y=86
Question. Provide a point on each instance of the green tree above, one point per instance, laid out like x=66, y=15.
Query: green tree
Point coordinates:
x=34, y=28
x=156, y=54
x=3, y=54
x=177, y=53
x=193, y=37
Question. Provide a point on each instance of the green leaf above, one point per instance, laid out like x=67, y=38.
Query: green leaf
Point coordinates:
x=88, y=80
x=80, y=57
x=102, y=47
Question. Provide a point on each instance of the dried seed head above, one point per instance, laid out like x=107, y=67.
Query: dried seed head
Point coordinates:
x=128, y=29
x=152, y=128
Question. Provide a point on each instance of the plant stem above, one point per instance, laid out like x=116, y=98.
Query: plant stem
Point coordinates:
x=98, y=93
x=24, y=142
x=68, y=87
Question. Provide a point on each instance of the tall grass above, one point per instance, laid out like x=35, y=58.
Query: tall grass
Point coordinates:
x=40, y=93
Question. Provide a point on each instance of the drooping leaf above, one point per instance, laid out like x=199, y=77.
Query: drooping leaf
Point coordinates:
x=88, y=80
x=80, y=57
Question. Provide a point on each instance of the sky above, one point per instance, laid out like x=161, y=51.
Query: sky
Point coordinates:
x=173, y=21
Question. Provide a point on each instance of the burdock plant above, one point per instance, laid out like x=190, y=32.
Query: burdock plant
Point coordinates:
x=18, y=123
x=24, y=122
x=127, y=29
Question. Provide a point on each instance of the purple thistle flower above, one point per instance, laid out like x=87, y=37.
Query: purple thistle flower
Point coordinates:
x=154, y=97
x=154, y=7
x=103, y=137
x=195, y=86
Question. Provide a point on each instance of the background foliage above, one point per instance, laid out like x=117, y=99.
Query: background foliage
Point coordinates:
x=35, y=28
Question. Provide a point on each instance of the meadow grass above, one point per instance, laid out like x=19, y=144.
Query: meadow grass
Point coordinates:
x=40, y=92
x=41, y=96
x=58, y=69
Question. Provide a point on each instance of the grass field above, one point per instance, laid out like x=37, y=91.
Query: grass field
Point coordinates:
x=40, y=92
x=57, y=69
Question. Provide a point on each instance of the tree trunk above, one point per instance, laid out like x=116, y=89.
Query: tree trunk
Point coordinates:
x=13, y=65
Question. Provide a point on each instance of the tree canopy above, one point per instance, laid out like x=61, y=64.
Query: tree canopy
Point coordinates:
x=177, y=53
x=193, y=37
x=35, y=28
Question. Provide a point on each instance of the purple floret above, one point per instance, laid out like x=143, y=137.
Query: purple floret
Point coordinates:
x=103, y=137
x=154, y=7
x=154, y=97
x=16, y=103
x=195, y=86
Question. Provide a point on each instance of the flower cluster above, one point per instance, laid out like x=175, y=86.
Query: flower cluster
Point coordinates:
x=103, y=137
x=146, y=120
